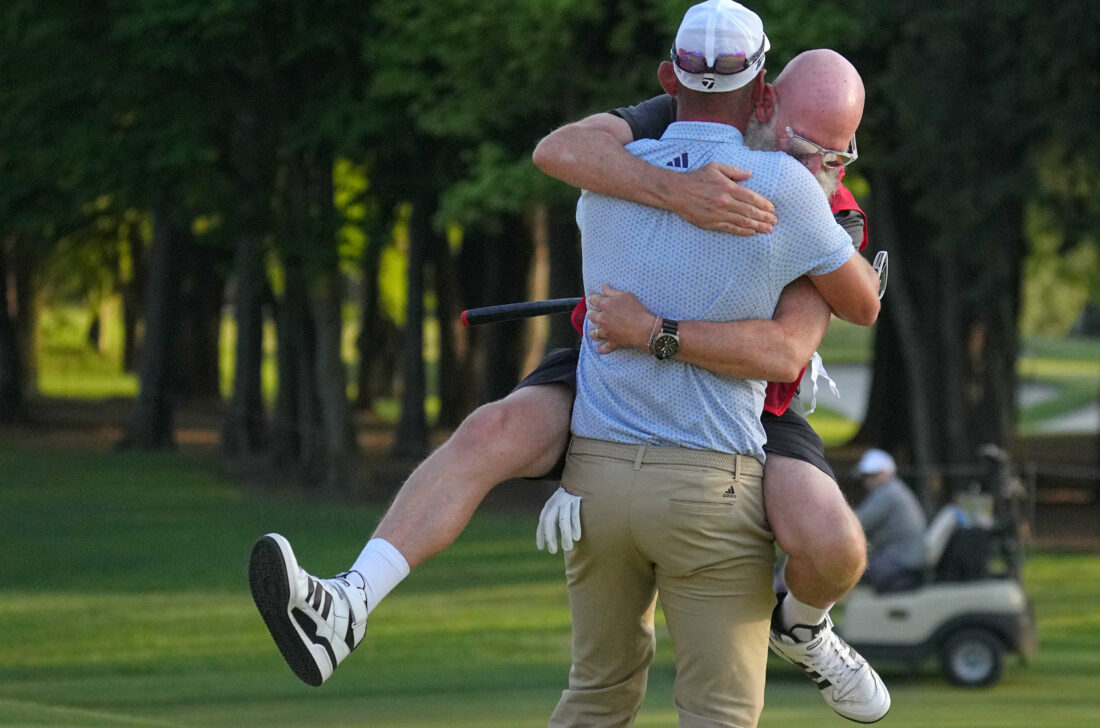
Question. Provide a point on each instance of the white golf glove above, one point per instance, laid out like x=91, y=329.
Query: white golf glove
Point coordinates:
x=561, y=513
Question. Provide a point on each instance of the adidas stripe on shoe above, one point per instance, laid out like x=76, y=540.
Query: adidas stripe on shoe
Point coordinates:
x=847, y=682
x=315, y=623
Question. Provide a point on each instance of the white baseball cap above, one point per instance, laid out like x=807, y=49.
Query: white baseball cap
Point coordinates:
x=719, y=47
x=876, y=461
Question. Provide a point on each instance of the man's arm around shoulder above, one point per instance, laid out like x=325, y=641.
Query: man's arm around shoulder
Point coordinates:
x=590, y=154
x=851, y=291
x=576, y=153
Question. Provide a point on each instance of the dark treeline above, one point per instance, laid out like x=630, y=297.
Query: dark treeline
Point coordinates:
x=186, y=155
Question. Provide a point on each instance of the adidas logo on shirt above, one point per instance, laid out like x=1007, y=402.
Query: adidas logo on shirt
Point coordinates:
x=680, y=162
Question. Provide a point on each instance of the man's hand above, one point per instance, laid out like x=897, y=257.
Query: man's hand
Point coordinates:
x=710, y=198
x=561, y=513
x=619, y=320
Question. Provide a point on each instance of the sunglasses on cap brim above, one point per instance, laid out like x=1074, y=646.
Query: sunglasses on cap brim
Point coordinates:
x=802, y=148
x=725, y=64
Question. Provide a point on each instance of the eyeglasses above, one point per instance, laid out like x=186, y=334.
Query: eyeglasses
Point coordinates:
x=801, y=147
x=725, y=64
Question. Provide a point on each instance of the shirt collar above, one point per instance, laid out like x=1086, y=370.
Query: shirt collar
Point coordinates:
x=705, y=131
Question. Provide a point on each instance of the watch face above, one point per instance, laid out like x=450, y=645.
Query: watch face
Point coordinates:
x=665, y=346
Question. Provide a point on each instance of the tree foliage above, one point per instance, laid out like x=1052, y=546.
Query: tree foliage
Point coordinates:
x=230, y=118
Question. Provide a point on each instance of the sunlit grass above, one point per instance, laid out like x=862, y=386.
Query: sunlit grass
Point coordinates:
x=68, y=365
x=82, y=373
x=1070, y=366
x=833, y=427
x=1031, y=368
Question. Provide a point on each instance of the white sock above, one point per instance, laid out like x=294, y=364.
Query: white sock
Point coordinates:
x=793, y=612
x=382, y=567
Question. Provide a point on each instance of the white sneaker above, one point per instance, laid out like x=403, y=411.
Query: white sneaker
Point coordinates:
x=315, y=623
x=848, y=683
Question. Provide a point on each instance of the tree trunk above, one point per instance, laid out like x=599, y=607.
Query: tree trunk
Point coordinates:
x=565, y=270
x=412, y=427
x=899, y=408
x=325, y=304
x=132, y=300
x=493, y=269
x=507, y=273
x=454, y=404
x=198, y=364
x=22, y=264
x=285, y=437
x=332, y=393
x=378, y=343
x=297, y=437
x=944, y=366
x=12, y=406
x=152, y=424
x=243, y=430
x=311, y=328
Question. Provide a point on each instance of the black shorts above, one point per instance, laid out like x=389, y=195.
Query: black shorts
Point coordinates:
x=557, y=367
x=788, y=435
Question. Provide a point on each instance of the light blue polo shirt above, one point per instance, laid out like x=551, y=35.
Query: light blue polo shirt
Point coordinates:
x=686, y=273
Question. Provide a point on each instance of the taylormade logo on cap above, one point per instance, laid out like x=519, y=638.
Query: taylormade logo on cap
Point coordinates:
x=720, y=36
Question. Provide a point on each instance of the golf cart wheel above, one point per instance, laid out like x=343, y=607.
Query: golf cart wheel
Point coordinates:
x=972, y=658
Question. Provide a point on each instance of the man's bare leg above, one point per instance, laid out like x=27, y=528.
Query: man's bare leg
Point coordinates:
x=316, y=623
x=521, y=435
x=825, y=547
x=826, y=554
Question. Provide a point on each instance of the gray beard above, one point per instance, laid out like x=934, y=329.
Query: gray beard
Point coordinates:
x=761, y=138
x=829, y=179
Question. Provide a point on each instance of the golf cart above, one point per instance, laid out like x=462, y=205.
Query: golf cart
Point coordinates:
x=967, y=607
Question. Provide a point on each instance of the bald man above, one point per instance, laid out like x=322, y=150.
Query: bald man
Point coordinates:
x=811, y=111
x=521, y=435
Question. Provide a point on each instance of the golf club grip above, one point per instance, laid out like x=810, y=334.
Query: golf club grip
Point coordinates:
x=512, y=311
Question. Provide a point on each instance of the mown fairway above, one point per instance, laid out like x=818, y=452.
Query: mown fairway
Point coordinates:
x=124, y=602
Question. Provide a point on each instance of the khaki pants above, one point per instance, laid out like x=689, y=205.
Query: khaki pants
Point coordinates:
x=696, y=534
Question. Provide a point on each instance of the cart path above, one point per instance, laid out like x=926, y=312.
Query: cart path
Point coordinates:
x=854, y=382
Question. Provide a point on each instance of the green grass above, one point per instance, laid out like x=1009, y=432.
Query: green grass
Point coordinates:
x=846, y=343
x=68, y=366
x=124, y=603
x=833, y=427
x=79, y=372
x=1070, y=366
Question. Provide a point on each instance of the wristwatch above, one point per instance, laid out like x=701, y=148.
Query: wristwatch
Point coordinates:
x=667, y=343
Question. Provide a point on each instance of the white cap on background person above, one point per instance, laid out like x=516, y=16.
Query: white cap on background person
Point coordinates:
x=719, y=47
x=876, y=461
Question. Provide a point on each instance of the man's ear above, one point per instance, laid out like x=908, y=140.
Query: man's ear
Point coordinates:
x=765, y=107
x=666, y=74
